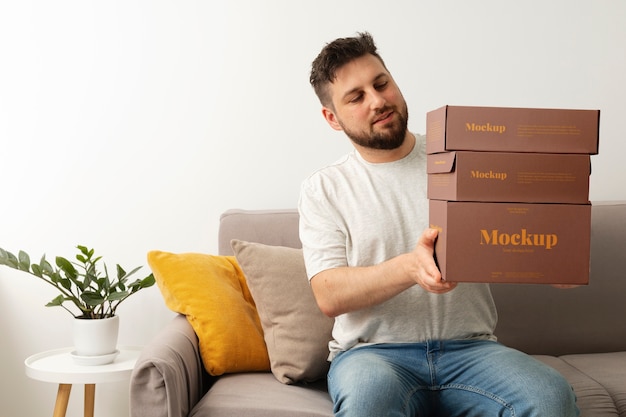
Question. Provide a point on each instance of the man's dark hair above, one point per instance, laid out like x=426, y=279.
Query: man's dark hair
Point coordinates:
x=335, y=55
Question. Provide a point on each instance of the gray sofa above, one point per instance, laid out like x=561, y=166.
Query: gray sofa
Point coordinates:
x=581, y=332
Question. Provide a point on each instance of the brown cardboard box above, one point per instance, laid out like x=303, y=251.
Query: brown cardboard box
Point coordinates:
x=509, y=177
x=508, y=129
x=511, y=242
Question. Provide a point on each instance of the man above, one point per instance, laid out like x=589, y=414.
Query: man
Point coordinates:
x=406, y=343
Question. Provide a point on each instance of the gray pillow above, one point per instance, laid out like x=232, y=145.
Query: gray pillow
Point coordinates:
x=296, y=332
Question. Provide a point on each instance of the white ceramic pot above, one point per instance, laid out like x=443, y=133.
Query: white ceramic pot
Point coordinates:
x=96, y=337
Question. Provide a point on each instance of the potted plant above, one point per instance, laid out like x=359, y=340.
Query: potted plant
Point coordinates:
x=93, y=294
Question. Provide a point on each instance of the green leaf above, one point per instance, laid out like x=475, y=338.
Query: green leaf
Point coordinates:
x=37, y=271
x=84, y=250
x=87, y=281
x=24, y=261
x=148, y=281
x=4, y=257
x=67, y=267
x=65, y=283
x=120, y=272
x=57, y=301
x=107, y=283
x=10, y=260
x=102, y=283
x=92, y=298
x=142, y=283
x=45, y=266
x=133, y=271
x=118, y=295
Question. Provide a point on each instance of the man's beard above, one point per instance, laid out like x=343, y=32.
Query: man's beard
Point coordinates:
x=391, y=137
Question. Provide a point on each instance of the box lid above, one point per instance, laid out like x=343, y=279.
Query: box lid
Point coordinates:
x=441, y=163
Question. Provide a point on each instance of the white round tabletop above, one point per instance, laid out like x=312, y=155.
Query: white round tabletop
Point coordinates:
x=59, y=366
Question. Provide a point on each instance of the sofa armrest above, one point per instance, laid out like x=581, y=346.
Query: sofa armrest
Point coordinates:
x=168, y=378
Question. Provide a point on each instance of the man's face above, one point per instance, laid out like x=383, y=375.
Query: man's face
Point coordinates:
x=368, y=105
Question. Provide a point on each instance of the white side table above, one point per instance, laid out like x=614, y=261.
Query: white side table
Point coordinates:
x=59, y=367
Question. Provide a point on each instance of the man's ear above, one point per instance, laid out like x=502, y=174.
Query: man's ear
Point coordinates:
x=331, y=118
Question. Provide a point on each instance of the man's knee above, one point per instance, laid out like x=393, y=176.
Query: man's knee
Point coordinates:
x=556, y=396
x=361, y=373
x=364, y=383
x=548, y=394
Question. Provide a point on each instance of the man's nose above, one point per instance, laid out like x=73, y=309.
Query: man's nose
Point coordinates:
x=377, y=100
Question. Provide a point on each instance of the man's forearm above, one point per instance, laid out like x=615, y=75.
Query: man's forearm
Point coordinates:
x=345, y=289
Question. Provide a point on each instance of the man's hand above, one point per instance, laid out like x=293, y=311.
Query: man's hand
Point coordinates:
x=426, y=273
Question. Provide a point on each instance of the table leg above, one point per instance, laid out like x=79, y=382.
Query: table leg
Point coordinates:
x=90, y=399
x=63, y=398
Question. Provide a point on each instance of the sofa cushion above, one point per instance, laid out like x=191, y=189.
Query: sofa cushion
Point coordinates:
x=296, y=331
x=592, y=397
x=607, y=370
x=261, y=395
x=211, y=291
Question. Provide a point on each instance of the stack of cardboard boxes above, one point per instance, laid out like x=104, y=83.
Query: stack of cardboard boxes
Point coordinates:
x=509, y=193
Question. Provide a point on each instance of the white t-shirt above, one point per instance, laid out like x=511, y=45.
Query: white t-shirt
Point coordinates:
x=355, y=213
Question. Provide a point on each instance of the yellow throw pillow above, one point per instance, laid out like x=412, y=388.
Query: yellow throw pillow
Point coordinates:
x=211, y=291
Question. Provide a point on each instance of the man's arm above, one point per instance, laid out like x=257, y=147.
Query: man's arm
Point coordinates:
x=345, y=289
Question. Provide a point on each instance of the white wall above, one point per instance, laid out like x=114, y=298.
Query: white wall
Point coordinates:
x=130, y=125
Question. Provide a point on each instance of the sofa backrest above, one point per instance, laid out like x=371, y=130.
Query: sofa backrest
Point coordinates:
x=270, y=227
x=537, y=319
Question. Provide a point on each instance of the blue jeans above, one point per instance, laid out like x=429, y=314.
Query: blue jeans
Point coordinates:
x=446, y=378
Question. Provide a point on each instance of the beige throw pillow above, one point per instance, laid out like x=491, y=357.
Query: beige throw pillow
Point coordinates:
x=296, y=332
